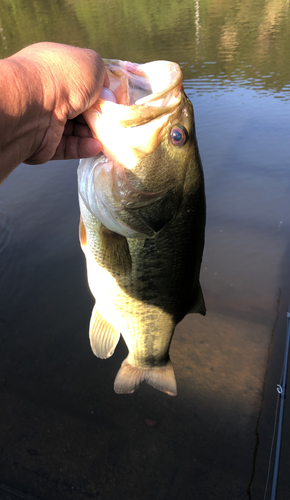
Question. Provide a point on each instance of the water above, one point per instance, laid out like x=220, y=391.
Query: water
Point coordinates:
x=64, y=433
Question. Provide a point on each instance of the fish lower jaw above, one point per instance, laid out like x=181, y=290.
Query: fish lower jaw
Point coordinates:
x=129, y=377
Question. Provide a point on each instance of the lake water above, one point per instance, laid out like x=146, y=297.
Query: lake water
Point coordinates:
x=64, y=433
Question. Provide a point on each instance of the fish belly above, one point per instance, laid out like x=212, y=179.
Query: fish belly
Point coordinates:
x=127, y=304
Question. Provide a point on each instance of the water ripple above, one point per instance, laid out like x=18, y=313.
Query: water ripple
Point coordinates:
x=7, y=249
x=6, y=230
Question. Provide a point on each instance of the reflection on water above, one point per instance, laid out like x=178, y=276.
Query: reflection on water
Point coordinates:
x=64, y=433
x=244, y=42
x=246, y=169
x=6, y=230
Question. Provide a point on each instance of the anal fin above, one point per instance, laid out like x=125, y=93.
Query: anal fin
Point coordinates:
x=129, y=378
x=103, y=336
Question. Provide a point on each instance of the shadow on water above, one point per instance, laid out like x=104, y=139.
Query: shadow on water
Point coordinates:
x=274, y=374
x=249, y=489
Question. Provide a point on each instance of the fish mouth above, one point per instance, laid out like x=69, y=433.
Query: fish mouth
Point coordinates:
x=143, y=97
x=131, y=119
x=142, y=84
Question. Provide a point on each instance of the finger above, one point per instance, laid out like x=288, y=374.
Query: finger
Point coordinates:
x=72, y=147
x=106, y=80
x=79, y=119
x=72, y=127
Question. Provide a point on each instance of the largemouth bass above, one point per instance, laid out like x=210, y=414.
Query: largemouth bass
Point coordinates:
x=142, y=206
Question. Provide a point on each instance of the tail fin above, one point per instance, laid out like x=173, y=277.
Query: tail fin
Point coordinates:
x=129, y=377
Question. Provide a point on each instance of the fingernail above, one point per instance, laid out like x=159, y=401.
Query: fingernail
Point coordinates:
x=107, y=95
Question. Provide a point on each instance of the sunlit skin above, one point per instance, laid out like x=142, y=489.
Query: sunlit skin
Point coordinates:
x=45, y=88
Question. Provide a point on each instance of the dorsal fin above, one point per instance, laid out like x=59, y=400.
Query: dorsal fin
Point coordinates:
x=103, y=336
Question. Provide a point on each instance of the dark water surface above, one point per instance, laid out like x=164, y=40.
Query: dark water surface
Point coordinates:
x=64, y=433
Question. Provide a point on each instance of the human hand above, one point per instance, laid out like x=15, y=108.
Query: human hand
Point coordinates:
x=45, y=88
x=74, y=78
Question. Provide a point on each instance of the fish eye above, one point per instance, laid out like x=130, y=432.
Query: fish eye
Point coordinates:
x=178, y=135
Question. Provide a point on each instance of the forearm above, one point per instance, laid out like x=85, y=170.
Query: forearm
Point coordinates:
x=23, y=119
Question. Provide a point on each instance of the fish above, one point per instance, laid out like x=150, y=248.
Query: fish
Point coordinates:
x=142, y=223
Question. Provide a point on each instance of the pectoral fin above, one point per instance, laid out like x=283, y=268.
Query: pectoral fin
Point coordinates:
x=129, y=378
x=103, y=336
x=115, y=248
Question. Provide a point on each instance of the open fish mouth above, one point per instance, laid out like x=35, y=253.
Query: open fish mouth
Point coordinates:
x=142, y=92
x=139, y=84
x=135, y=108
